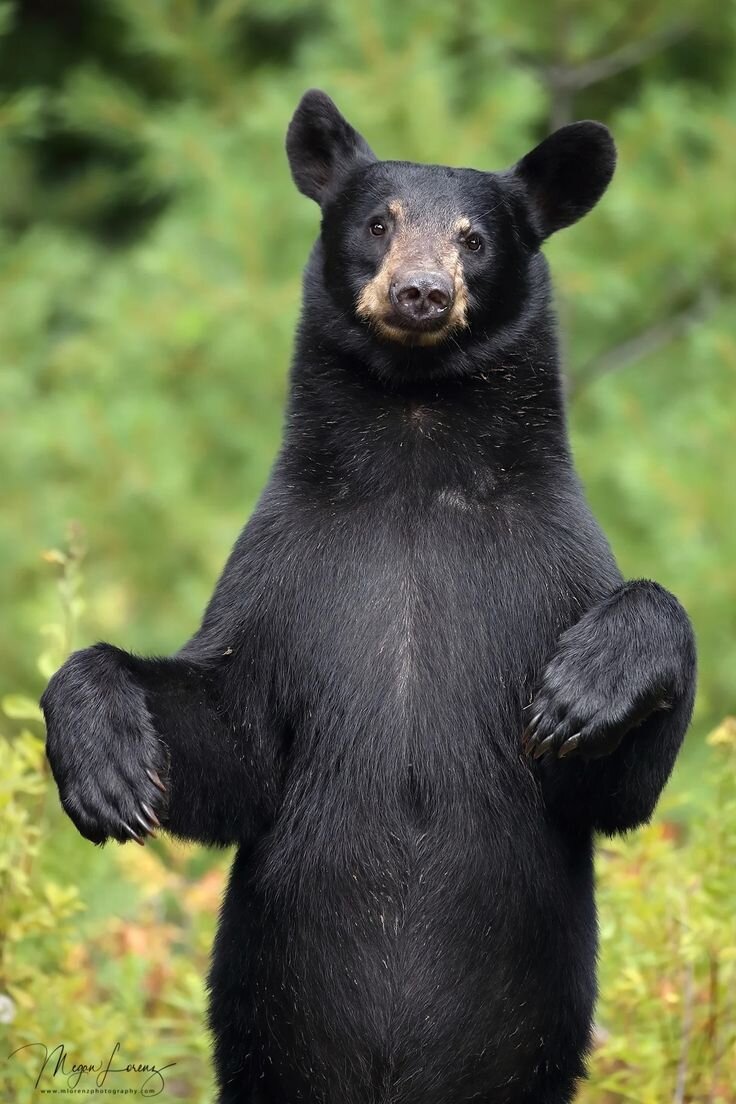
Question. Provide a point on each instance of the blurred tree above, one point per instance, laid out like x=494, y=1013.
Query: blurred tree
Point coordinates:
x=152, y=244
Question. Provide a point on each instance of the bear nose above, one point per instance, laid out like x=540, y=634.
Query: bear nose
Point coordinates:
x=422, y=296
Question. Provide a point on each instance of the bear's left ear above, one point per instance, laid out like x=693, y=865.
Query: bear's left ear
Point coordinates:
x=566, y=174
x=321, y=145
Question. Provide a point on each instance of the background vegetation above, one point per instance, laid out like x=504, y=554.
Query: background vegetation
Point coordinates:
x=152, y=244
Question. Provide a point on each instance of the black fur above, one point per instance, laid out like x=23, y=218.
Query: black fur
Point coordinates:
x=410, y=916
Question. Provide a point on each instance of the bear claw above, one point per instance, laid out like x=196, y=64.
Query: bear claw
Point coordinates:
x=570, y=745
x=153, y=775
x=133, y=835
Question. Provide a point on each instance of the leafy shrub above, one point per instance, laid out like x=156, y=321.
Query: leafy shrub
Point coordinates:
x=667, y=897
x=131, y=975
x=98, y=947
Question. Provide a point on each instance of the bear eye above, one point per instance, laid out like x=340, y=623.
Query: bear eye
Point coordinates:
x=377, y=228
x=473, y=242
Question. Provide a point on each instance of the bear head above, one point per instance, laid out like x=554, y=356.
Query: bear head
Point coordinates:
x=419, y=255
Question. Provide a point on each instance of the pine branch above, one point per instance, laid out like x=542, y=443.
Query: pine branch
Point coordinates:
x=563, y=80
x=574, y=78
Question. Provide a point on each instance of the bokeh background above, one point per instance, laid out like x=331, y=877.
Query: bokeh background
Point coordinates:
x=151, y=247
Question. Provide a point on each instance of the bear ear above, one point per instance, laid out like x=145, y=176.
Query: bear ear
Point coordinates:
x=566, y=174
x=321, y=145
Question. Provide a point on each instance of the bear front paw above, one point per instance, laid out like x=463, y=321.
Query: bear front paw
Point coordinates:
x=105, y=755
x=593, y=691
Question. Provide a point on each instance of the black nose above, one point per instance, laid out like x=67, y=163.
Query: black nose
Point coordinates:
x=422, y=296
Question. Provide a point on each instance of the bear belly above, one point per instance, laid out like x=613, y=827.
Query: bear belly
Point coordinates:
x=417, y=907
x=415, y=964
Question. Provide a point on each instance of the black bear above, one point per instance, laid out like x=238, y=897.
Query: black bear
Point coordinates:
x=421, y=685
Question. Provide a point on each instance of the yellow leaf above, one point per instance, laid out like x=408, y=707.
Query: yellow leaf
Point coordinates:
x=54, y=556
x=724, y=735
x=21, y=708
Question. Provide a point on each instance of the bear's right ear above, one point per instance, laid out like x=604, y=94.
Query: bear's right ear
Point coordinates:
x=321, y=145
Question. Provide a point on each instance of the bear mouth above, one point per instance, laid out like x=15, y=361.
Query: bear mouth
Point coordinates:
x=393, y=326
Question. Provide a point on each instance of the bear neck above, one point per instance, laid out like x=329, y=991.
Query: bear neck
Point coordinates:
x=369, y=417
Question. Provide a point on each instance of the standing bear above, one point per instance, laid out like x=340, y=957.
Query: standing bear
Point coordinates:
x=421, y=686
